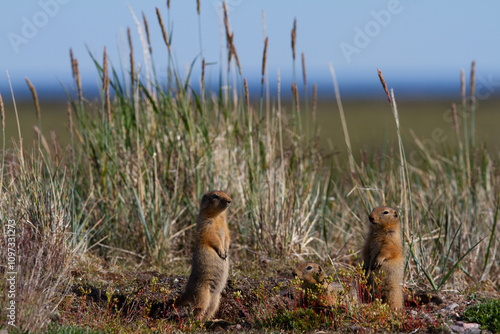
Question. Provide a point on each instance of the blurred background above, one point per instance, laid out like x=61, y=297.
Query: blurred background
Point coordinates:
x=420, y=46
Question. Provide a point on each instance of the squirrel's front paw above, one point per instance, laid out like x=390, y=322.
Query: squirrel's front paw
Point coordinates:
x=222, y=255
x=378, y=262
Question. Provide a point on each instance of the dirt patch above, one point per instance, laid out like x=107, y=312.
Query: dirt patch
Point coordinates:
x=131, y=298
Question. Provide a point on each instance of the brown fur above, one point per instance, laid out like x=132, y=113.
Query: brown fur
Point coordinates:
x=309, y=272
x=313, y=274
x=383, y=252
x=210, y=264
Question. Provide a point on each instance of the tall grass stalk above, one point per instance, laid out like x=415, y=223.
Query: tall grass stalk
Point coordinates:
x=198, y=5
x=17, y=118
x=355, y=174
x=473, y=105
x=36, y=102
x=491, y=248
x=465, y=126
x=347, y=139
x=2, y=120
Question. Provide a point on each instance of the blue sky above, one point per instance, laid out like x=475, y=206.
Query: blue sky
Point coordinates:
x=419, y=45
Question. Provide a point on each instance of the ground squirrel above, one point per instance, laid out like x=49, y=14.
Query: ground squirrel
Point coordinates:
x=210, y=264
x=383, y=252
x=313, y=274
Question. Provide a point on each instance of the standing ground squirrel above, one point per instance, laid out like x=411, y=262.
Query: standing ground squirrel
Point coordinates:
x=383, y=252
x=313, y=274
x=210, y=264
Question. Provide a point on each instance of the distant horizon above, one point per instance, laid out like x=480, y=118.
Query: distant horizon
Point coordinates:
x=350, y=88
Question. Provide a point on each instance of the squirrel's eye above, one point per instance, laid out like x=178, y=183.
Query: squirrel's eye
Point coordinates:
x=309, y=268
x=214, y=196
x=386, y=212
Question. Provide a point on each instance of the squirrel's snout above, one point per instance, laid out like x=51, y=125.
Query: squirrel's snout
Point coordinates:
x=372, y=219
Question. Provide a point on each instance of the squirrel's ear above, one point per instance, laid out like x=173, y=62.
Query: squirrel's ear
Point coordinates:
x=320, y=269
x=395, y=214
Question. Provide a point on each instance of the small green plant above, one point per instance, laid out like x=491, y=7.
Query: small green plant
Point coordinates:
x=109, y=295
x=486, y=313
x=58, y=329
x=298, y=320
x=307, y=310
x=154, y=281
x=147, y=308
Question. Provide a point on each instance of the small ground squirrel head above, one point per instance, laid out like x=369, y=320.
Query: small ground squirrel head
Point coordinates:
x=309, y=272
x=383, y=216
x=213, y=203
x=315, y=288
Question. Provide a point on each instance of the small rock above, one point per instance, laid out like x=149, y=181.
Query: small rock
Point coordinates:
x=458, y=329
x=466, y=328
x=470, y=325
x=473, y=331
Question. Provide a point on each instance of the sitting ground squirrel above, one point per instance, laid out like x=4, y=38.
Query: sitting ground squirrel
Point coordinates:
x=383, y=253
x=210, y=264
x=313, y=274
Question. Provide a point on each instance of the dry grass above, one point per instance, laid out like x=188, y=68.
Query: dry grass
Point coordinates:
x=37, y=199
x=142, y=158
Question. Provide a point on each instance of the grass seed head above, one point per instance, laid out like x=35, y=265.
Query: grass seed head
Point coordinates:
x=381, y=77
x=304, y=75
x=146, y=27
x=35, y=99
x=264, y=60
x=294, y=35
x=132, y=65
x=2, y=113
x=162, y=26
x=462, y=85
x=473, y=81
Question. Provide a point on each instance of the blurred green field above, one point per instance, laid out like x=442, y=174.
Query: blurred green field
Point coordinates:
x=370, y=123
x=54, y=118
